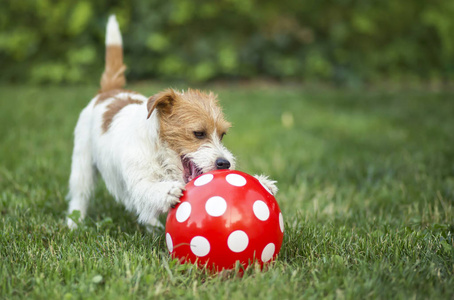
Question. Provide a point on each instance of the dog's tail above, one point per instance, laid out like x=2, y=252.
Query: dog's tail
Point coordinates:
x=113, y=76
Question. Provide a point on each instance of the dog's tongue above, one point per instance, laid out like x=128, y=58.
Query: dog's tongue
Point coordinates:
x=190, y=170
x=194, y=171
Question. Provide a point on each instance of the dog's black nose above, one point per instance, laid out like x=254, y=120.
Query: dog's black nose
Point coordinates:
x=222, y=163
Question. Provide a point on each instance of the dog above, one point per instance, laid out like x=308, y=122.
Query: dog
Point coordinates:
x=145, y=148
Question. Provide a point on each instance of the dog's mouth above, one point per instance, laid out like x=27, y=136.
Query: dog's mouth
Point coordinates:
x=190, y=170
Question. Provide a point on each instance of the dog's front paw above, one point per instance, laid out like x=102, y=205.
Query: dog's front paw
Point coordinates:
x=71, y=224
x=267, y=183
x=175, y=190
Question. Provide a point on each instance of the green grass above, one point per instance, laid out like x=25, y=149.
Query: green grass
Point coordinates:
x=366, y=184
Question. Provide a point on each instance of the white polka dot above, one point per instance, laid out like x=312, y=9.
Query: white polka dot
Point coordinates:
x=281, y=222
x=268, y=252
x=266, y=188
x=235, y=179
x=183, y=212
x=204, y=179
x=261, y=210
x=216, y=206
x=200, y=246
x=238, y=241
x=169, y=242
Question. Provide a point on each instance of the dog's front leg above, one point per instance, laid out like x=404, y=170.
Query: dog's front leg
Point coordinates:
x=149, y=189
x=150, y=198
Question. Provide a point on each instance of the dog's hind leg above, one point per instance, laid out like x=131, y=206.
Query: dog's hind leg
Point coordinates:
x=83, y=172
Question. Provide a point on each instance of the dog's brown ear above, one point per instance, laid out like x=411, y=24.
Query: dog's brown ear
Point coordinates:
x=163, y=102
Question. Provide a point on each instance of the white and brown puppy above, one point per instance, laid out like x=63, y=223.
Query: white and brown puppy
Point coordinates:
x=146, y=149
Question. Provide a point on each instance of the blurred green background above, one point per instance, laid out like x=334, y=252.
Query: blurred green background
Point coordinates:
x=340, y=41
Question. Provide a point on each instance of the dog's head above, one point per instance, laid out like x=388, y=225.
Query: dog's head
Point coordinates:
x=192, y=124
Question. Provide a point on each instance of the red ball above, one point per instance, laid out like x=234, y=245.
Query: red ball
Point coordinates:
x=225, y=216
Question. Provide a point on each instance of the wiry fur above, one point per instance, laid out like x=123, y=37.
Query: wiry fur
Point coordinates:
x=144, y=149
x=190, y=111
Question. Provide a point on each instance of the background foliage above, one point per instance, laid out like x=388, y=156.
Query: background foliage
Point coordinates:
x=345, y=41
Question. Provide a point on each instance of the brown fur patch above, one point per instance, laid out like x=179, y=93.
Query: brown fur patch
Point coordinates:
x=180, y=115
x=111, y=94
x=113, y=109
x=113, y=76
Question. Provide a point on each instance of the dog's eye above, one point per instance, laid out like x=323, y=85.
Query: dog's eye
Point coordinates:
x=222, y=135
x=200, y=134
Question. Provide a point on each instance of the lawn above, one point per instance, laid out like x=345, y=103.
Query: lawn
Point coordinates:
x=366, y=184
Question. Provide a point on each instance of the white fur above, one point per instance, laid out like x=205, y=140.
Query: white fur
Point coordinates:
x=113, y=36
x=138, y=170
x=207, y=154
x=268, y=183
